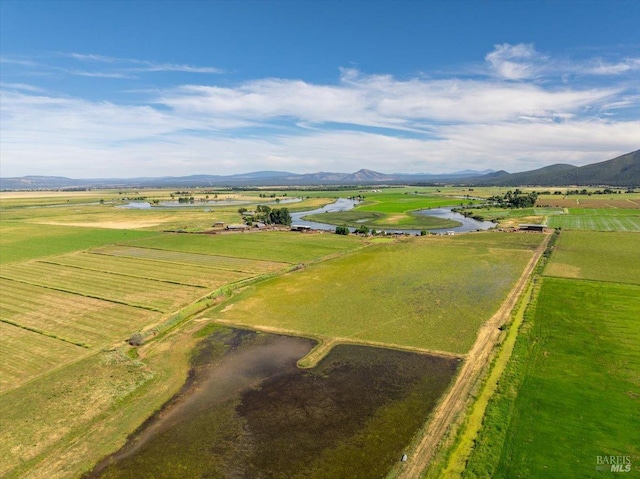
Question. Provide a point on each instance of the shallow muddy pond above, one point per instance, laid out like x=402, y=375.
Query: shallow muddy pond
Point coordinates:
x=247, y=411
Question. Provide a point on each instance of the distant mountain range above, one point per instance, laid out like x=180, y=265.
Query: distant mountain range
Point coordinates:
x=257, y=178
x=621, y=171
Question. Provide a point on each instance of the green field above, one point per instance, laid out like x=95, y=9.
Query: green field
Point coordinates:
x=380, y=221
x=399, y=202
x=393, y=209
x=578, y=398
x=22, y=241
x=570, y=391
x=427, y=293
x=597, y=222
x=77, y=280
x=597, y=256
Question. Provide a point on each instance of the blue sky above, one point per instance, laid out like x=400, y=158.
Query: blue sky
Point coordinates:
x=123, y=89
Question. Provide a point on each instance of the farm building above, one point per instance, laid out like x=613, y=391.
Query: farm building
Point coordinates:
x=300, y=228
x=237, y=227
x=532, y=227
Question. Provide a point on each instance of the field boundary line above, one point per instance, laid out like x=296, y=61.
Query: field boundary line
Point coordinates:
x=127, y=275
x=192, y=252
x=45, y=333
x=478, y=358
x=589, y=280
x=164, y=261
x=84, y=295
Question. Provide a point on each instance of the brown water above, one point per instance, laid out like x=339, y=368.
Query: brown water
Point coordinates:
x=247, y=411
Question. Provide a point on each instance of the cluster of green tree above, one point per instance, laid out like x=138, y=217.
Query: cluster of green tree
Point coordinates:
x=272, y=195
x=186, y=199
x=515, y=199
x=606, y=191
x=361, y=230
x=269, y=216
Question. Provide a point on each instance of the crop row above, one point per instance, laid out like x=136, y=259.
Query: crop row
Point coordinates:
x=26, y=354
x=78, y=319
x=604, y=211
x=186, y=274
x=598, y=223
x=198, y=259
x=121, y=289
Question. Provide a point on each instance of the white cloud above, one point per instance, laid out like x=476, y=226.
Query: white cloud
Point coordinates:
x=601, y=67
x=514, y=62
x=373, y=121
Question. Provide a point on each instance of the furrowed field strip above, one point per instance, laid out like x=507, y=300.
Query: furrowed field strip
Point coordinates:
x=604, y=212
x=599, y=256
x=583, y=363
x=190, y=275
x=597, y=223
x=277, y=246
x=125, y=274
x=198, y=259
x=26, y=354
x=48, y=334
x=80, y=319
x=137, y=292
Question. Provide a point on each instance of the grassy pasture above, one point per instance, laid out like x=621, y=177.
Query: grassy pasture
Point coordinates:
x=278, y=246
x=606, y=256
x=578, y=385
x=402, y=201
x=378, y=220
x=138, y=292
x=392, y=209
x=428, y=293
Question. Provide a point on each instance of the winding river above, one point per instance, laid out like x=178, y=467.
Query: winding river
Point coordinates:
x=344, y=204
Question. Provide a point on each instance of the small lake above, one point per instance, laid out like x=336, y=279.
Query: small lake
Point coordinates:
x=248, y=411
x=344, y=204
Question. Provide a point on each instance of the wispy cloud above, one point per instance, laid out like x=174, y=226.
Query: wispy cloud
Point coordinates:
x=600, y=67
x=136, y=65
x=524, y=62
x=515, y=62
x=514, y=116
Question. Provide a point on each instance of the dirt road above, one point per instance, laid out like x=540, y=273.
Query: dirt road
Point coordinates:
x=476, y=361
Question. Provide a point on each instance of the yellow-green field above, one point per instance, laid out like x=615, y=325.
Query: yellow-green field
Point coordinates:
x=77, y=278
x=425, y=293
